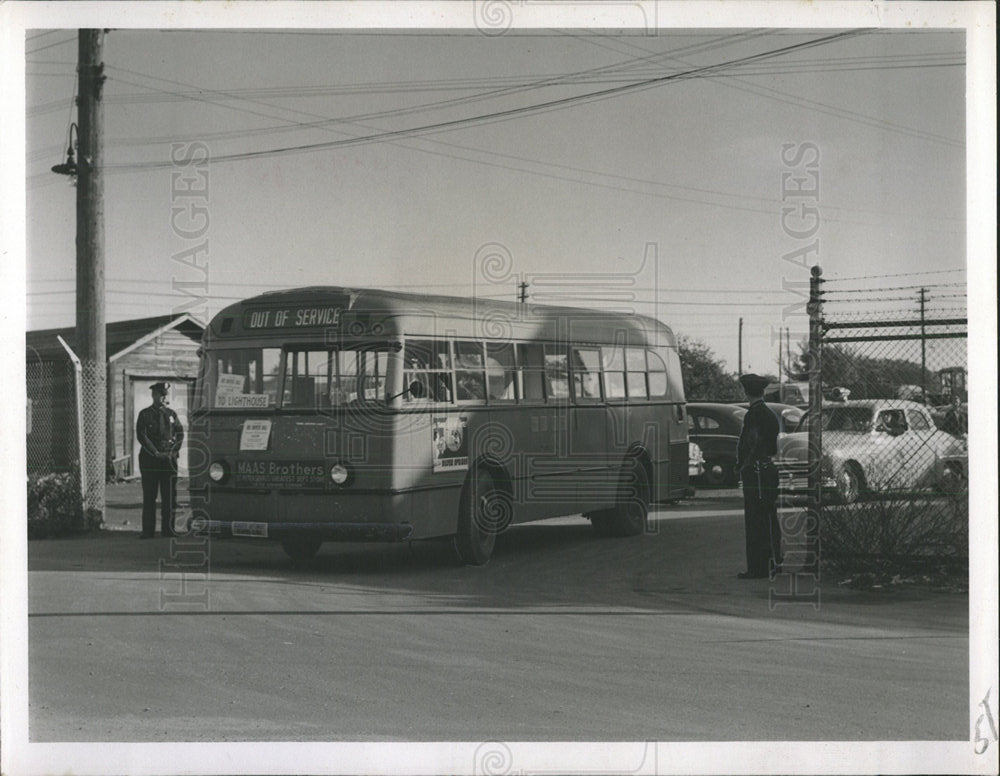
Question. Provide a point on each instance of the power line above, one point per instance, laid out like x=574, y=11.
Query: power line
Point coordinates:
x=51, y=45
x=774, y=94
x=325, y=120
x=503, y=115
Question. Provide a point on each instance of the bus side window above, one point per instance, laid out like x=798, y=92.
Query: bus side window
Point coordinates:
x=470, y=375
x=635, y=363
x=429, y=363
x=657, y=374
x=556, y=372
x=614, y=372
x=586, y=373
x=531, y=363
x=500, y=371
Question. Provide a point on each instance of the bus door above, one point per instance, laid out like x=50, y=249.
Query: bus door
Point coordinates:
x=536, y=427
x=586, y=437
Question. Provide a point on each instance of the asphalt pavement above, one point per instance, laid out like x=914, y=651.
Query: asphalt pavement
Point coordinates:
x=563, y=636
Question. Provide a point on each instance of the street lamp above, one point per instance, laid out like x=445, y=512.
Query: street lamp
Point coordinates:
x=69, y=168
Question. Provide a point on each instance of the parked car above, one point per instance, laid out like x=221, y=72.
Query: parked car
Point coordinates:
x=874, y=445
x=789, y=416
x=696, y=461
x=715, y=427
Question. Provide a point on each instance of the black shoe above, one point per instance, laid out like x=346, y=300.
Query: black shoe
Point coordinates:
x=145, y=536
x=748, y=575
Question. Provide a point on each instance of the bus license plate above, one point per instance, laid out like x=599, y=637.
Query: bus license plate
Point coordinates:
x=256, y=530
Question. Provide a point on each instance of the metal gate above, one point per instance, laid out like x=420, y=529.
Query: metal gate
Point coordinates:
x=881, y=462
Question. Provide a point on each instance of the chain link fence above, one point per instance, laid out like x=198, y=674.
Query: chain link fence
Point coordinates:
x=93, y=386
x=52, y=442
x=882, y=457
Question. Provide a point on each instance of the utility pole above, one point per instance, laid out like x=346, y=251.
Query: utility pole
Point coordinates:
x=523, y=296
x=740, y=351
x=90, y=315
x=788, y=349
x=923, y=347
x=781, y=377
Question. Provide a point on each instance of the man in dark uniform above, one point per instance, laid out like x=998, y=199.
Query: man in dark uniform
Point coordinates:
x=159, y=434
x=758, y=442
x=955, y=421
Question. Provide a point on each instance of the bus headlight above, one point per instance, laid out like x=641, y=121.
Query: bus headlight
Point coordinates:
x=339, y=473
x=218, y=471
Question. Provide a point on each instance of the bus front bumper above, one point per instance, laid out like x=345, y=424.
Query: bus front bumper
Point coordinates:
x=332, y=532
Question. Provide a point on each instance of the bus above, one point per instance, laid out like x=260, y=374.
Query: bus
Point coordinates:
x=339, y=414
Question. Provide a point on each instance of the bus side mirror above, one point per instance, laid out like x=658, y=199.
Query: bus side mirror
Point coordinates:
x=416, y=390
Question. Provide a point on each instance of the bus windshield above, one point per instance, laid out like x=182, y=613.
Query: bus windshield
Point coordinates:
x=308, y=377
x=321, y=378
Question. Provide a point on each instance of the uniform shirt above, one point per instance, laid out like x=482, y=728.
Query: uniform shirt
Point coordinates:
x=159, y=430
x=759, y=437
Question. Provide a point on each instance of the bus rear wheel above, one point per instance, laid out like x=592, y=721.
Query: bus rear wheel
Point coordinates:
x=630, y=514
x=301, y=549
x=483, y=512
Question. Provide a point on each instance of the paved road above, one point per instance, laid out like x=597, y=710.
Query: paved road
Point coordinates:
x=563, y=636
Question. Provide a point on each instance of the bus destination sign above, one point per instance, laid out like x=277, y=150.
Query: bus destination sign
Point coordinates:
x=296, y=317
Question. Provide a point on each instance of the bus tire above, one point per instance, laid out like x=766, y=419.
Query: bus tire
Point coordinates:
x=484, y=511
x=301, y=549
x=630, y=514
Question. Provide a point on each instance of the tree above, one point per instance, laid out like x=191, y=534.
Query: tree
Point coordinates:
x=705, y=375
x=866, y=377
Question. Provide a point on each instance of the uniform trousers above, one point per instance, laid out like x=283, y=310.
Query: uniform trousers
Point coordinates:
x=159, y=475
x=760, y=518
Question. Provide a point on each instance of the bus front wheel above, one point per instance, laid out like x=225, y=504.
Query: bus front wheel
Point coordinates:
x=301, y=549
x=483, y=512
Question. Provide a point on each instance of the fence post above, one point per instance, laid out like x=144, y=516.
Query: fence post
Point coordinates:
x=78, y=392
x=815, y=310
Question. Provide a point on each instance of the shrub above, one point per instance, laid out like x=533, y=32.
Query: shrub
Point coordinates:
x=55, y=507
x=897, y=534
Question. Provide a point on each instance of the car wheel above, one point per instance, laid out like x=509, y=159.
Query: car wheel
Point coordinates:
x=301, y=549
x=953, y=479
x=849, y=484
x=484, y=511
x=718, y=474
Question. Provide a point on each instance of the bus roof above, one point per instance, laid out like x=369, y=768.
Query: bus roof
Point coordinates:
x=300, y=314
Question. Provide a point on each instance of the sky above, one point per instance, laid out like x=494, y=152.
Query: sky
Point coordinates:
x=633, y=169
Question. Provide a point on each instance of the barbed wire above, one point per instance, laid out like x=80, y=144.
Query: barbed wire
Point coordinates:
x=926, y=286
x=894, y=275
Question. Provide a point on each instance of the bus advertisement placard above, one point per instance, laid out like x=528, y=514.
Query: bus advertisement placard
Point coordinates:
x=451, y=444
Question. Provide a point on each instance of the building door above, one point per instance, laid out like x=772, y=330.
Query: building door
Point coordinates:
x=178, y=401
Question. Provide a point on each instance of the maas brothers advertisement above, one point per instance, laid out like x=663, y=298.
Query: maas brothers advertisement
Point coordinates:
x=451, y=444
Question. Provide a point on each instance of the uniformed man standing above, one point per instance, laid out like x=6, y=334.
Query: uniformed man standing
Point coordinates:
x=758, y=442
x=159, y=434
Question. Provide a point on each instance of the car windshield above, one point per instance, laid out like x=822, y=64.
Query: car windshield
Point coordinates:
x=856, y=419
